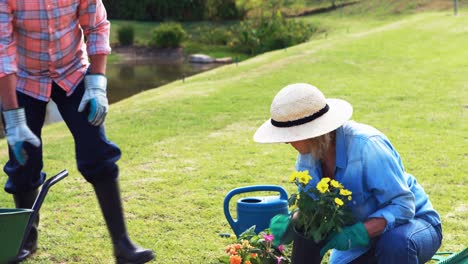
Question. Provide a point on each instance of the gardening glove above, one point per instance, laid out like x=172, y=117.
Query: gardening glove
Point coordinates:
x=282, y=229
x=17, y=132
x=95, y=98
x=350, y=237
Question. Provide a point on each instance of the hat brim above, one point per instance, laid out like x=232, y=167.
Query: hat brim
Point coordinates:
x=340, y=111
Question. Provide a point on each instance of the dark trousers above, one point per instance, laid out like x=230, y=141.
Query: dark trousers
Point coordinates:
x=96, y=156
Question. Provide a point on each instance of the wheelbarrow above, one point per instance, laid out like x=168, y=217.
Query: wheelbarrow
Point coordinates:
x=15, y=224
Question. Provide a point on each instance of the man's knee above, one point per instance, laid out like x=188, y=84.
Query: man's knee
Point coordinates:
x=93, y=172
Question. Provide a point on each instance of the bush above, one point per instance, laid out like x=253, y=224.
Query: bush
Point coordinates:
x=264, y=34
x=168, y=35
x=126, y=35
x=212, y=35
x=221, y=9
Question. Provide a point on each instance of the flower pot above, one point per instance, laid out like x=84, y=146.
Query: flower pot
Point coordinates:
x=306, y=250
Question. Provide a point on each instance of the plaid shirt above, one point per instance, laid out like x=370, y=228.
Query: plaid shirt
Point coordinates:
x=42, y=41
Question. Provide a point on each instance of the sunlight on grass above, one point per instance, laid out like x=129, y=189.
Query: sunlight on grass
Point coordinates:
x=186, y=144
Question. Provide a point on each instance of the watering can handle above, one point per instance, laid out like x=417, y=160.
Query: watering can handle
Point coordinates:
x=254, y=188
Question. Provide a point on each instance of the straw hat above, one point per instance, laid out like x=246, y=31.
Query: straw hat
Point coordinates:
x=300, y=111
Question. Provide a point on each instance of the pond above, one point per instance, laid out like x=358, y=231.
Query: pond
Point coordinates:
x=125, y=80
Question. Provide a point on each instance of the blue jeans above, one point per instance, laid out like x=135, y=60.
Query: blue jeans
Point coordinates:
x=414, y=242
x=96, y=156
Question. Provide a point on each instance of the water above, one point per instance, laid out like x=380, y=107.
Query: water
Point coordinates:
x=129, y=79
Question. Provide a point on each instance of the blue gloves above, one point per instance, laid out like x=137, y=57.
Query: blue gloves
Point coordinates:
x=96, y=97
x=17, y=132
x=282, y=229
x=350, y=237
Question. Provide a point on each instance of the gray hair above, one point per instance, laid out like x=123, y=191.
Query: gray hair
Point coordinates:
x=319, y=145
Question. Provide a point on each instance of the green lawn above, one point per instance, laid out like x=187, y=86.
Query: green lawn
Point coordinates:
x=187, y=144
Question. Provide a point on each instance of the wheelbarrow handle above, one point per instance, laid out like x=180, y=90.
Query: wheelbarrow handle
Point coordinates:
x=45, y=188
x=38, y=203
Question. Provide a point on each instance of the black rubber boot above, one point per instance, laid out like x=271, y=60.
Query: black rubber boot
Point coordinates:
x=125, y=251
x=26, y=201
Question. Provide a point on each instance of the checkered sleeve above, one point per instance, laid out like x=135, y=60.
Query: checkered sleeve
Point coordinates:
x=96, y=27
x=7, y=42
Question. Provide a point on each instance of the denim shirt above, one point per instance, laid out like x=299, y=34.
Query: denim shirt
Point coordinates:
x=368, y=165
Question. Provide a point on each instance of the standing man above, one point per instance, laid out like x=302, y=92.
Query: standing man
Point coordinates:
x=44, y=50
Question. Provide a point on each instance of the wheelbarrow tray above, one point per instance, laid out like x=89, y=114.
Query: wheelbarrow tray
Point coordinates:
x=15, y=224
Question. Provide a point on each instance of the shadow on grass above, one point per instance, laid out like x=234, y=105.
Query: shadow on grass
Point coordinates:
x=321, y=10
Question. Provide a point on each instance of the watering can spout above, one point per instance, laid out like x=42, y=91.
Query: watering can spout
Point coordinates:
x=255, y=211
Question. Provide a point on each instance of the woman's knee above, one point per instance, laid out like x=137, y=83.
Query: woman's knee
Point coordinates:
x=393, y=243
x=414, y=242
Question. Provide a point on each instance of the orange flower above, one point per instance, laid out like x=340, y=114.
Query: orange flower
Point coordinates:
x=234, y=259
x=254, y=255
x=248, y=262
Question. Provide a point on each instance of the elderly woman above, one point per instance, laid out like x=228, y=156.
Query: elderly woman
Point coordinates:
x=394, y=219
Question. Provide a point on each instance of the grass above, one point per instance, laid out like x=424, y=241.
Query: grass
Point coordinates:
x=186, y=144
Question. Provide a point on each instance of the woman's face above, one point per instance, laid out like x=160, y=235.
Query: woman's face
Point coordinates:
x=302, y=146
x=317, y=146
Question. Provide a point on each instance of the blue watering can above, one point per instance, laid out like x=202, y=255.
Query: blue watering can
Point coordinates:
x=256, y=211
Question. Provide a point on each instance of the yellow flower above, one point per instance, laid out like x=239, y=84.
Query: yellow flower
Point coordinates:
x=345, y=192
x=293, y=177
x=349, y=198
x=338, y=201
x=322, y=186
x=325, y=180
x=336, y=184
x=304, y=177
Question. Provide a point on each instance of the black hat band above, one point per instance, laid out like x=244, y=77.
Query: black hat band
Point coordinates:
x=301, y=121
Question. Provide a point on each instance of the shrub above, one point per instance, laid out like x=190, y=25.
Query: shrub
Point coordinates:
x=126, y=35
x=168, y=35
x=264, y=34
x=214, y=36
x=221, y=9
